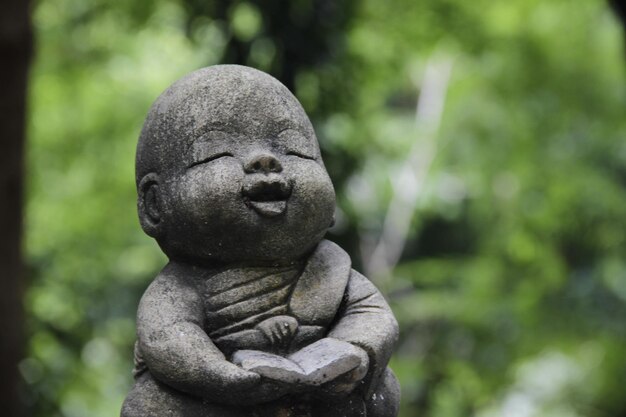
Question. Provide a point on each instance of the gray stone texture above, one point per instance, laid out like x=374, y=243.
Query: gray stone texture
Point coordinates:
x=232, y=186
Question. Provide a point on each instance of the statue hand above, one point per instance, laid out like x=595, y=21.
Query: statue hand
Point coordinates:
x=344, y=384
x=279, y=330
x=241, y=387
x=235, y=378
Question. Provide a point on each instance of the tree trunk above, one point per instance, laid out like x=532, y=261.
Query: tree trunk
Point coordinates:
x=15, y=51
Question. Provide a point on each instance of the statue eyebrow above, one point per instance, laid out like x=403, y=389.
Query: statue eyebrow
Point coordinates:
x=204, y=133
x=287, y=124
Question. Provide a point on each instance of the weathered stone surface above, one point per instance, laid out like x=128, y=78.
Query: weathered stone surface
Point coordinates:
x=232, y=186
x=316, y=364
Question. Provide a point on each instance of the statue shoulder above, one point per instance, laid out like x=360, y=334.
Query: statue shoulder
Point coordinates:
x=322, y=284
x=173, y=294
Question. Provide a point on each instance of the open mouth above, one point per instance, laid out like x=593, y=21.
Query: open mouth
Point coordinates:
x=267, y=198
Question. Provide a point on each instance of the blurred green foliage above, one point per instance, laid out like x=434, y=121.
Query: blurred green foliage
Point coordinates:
x=511, y=285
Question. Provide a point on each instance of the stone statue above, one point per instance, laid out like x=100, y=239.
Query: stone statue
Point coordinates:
x=255, y=314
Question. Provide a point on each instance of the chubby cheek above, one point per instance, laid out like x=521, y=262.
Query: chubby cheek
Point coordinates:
x=210, y=194
x=314, y=197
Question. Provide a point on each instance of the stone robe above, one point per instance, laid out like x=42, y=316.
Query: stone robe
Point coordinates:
x=217, y=315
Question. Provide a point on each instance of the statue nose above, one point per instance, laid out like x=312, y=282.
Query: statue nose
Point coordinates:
x=263, y=163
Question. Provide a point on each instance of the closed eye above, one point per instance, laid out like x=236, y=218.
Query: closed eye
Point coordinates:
x=210, y=158
x=300, y=155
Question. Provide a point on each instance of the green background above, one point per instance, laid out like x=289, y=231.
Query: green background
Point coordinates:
x=502, y=197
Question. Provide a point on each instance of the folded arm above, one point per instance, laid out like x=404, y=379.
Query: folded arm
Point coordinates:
x=365, y=320
x=179, y=353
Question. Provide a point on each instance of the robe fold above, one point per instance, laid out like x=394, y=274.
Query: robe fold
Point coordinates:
x=323, y=293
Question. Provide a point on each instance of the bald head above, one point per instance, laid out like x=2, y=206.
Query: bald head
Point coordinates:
x=229, y=98
x=227, y=153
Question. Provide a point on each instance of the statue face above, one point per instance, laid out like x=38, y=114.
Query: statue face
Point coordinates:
x=251, y=187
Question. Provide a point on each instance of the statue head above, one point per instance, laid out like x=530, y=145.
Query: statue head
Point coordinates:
x=229, y=169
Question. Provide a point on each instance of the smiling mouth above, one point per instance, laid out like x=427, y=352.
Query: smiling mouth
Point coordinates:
x=269, y=199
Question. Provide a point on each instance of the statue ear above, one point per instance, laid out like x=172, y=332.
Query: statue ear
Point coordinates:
x=149, y=204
